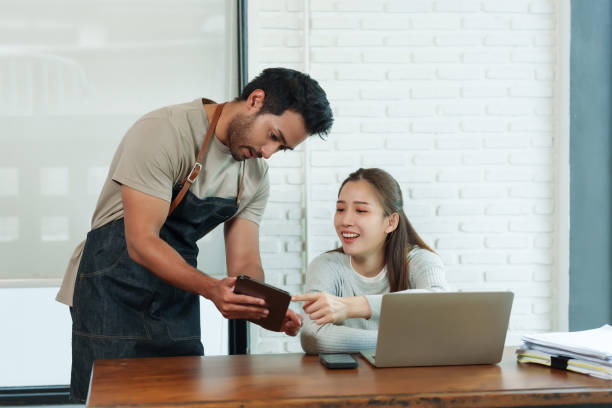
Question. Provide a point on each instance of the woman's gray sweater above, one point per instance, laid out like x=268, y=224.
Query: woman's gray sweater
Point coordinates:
x=333, y=273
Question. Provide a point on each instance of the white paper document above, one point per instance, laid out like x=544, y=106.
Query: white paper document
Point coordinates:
x=595, y=343
x=590, y=367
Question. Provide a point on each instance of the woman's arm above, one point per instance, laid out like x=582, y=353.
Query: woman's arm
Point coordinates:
x=330, y=338
x=326, y=277
x=323, y=307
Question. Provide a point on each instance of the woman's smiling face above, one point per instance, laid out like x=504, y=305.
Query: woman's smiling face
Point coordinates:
x=360, y=221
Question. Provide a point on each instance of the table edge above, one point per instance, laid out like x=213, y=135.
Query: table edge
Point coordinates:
x=513, y=398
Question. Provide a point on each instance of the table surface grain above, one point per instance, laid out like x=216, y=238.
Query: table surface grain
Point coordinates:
x=297, y=380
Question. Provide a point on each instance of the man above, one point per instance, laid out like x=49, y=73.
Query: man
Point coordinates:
x=133, y=286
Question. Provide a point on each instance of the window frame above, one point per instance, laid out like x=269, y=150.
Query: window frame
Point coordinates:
x=238, y=333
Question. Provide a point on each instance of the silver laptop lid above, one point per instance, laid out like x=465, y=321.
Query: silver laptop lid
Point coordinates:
x=423, y=329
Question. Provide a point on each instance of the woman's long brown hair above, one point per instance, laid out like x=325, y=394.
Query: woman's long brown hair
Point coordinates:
x=400, y=241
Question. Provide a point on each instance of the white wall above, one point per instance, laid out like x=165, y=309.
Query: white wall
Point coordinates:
x=35, y=336
x=459, y=100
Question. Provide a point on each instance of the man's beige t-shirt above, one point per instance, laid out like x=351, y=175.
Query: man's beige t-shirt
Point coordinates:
x=156, y=153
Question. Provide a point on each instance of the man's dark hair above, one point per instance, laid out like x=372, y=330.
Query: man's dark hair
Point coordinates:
x=290, y=89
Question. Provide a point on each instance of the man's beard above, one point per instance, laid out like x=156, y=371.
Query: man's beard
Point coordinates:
x=237, y=135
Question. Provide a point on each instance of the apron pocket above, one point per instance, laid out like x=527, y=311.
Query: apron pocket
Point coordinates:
x=182, y=316
x=114, y=301
x=177, y=309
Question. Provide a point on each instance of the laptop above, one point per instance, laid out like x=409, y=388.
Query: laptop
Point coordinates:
x=441, y=328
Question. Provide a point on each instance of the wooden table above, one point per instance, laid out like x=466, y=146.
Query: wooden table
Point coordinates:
x=296, y=380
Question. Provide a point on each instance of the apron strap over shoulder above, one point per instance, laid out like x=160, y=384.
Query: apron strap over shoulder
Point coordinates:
x=241, y=185
x=195, y=170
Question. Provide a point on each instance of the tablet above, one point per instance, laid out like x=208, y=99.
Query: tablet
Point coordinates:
x=277, y=300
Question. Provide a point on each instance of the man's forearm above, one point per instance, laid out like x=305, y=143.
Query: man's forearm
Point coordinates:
x=250, y=269
x=162, y=260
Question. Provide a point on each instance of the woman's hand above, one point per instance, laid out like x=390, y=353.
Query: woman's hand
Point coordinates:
x=324, y=308
x=291, y=323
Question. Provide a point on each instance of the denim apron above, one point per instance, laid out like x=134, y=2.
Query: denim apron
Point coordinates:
x=121, y=309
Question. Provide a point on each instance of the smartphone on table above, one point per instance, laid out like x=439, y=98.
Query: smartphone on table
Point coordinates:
x=338, y=360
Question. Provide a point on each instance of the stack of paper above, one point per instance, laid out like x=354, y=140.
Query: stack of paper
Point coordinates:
x=587, y=351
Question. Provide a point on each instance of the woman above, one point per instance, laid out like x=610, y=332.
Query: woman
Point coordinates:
x=380, y=253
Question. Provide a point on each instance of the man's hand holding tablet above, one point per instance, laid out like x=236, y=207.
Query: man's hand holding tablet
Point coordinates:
x=280, y=318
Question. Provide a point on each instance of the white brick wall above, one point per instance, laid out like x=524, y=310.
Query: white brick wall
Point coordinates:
x=458, y=100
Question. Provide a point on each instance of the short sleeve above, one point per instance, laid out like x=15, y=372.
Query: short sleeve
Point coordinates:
x=148, y=158
x=254, y=209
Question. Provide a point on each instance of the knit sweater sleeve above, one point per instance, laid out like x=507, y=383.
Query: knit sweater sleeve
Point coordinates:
x=325, y=275
x=426, y=274
x=330, y=338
